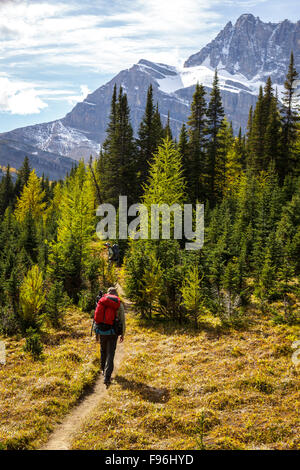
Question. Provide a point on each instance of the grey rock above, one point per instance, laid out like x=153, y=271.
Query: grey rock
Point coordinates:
x=253, y=48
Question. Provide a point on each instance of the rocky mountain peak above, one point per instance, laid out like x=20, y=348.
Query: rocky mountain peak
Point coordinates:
x=246, y=18
x=252, y=48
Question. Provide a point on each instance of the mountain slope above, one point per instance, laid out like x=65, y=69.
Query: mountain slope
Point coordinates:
x=244, y=53
x=14, y=149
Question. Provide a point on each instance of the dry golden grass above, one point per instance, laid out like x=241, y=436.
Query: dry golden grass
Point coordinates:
x=36, y=394
x=242, y=382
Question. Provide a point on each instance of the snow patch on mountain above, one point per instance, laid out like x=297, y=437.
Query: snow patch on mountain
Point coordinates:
x=55, y=137
x=188, y=76
x=171, y=83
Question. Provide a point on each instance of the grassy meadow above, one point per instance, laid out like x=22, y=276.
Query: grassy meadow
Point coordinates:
x=35, y=394
x=217, y=388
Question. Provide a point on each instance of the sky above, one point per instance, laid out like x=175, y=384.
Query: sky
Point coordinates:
x=53, y=53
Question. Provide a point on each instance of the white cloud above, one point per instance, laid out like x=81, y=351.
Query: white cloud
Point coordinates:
x=76, y=98
x=58, y=34
x=109, y=36
x=19, y=97
x=47, y=37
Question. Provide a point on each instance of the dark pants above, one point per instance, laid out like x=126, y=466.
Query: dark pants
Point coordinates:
x=108, y=344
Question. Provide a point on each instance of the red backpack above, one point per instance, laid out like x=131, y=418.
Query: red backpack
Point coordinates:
x=107, y=309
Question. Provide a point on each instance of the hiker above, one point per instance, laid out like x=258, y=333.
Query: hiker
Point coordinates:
x=110, y=251
x=116, y=251
x=110, y=323
x=113, y=253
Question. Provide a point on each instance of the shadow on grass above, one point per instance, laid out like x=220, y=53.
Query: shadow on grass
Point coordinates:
x=167, y=327
x=152, y=394
x=59, y=335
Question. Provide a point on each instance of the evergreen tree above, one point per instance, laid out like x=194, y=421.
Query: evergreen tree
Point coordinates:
x=290, y=119
x=6, y=191
x=272, y=137
x=167, y=130
x=263, y=131
x=216, y=262
x=149, y=136
x=28, y=237
x=268, y=99
x=266, y=282
x=225, y=141
x=231, y=298
x=152, y=282
x=52, y=213
x=45, y=186
x=56, y=301
x=193, y=296
x=120, y=155
x=233, y=167
x=127, y=150
x=249, y=123
x=96, y=170
x=111, y=128
x=23, y=177
x=287, y=230
x=31, y=199
x=183, y=148
x=166, y=183
x=157, y=126
x=32, y=297
x=69, y=255
x=215, y=115
x=197, y=144
x=256, y=137
x=12, y=287
x=246, y=211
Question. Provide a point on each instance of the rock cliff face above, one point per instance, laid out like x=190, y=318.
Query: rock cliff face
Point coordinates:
x=245, y=54
x=252, y=48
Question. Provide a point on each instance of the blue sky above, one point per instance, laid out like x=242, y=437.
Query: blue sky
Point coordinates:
x=52, y=53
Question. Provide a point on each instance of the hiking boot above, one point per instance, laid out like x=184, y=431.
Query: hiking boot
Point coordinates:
x=107, y=382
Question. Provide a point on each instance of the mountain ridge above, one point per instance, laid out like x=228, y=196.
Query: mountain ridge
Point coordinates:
x=266, y=55
x=244, y=54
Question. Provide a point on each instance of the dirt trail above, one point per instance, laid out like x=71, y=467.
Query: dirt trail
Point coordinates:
x=62, y=436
